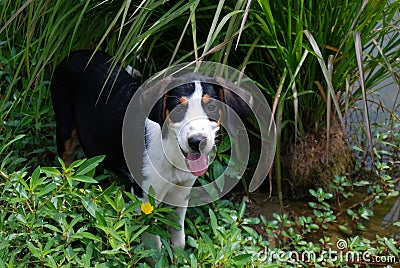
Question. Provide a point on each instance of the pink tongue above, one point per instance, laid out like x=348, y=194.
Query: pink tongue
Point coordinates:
x=197, y=163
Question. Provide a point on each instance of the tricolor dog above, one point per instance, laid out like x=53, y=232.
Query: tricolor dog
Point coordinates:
x=90, y=97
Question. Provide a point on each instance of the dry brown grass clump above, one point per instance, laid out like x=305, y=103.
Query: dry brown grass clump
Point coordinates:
x=308, y=163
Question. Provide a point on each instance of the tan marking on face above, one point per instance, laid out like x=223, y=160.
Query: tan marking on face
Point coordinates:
x=183, y=100
x=206, y=98
x=220, y=116
x=164, y=107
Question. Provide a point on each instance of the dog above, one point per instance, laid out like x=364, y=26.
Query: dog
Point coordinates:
x=90, y=97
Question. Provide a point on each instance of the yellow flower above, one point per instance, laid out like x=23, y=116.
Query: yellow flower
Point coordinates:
x=147, y=208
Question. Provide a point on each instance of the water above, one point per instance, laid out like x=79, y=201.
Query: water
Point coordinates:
x=385, y=215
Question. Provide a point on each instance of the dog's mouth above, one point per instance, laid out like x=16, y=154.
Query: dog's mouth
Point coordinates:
x=197, y=163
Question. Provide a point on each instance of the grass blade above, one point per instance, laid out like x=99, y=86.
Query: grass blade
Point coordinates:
x=358, y=47
x=246, y=13
x=364, y=4
x=325, y=72
x=211, y=34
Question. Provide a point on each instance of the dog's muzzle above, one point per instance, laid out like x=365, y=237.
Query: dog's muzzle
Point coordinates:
x=197, y=160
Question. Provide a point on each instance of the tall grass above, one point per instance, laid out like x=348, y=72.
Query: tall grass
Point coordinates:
x=306, y=52
x=150, y=35
x=275, y=48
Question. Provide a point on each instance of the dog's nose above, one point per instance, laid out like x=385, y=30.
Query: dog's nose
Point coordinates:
x=197, y=143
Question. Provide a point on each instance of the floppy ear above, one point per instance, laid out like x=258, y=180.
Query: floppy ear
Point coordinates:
x=239, y=100
x=152, y=93
x=241, y=104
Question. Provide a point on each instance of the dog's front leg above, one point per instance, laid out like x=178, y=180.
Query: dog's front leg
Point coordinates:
x=178, y=235
x=180, y=198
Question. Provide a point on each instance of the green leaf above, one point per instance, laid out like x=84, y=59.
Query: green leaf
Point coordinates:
x=151, y=195
x=139, y=232
x=170, y=222
x=313, y=193
x=49, y=188
x=34, y=178
x=34, y=250
x=63, y=167
x=132, y=197
x=101, y=220
x=362, y=183
x=345, y=229
x=50, y=171
x=119, y=224
x=88, y=255
x=86, y=235
x=392, y=247
x=213, y=221
x=76, y=163
x=242, y=210
x=69, y=180
x=89, y=205
x=209, y=244
x=251, y=221
x=89, y=165
x=242, y=259
x=51, y=262
x=192, y=242
x=114, y=234
x=111, y=202
x=4, y=146
x=312, y=205
x=53, y=228
x=250, y=231
x=23, y=182
x=83, y=178
x=218, y=170
x=357, y=148
x=76, y=219
x=47, y=248
x=225, y=145
x=119, y=201
x=318, y=213
x=193, y=261
x=351, y=213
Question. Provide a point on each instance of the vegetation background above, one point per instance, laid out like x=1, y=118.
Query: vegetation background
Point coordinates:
x=313, y=59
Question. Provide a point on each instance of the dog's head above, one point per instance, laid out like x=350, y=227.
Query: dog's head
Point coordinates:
x=190, y=116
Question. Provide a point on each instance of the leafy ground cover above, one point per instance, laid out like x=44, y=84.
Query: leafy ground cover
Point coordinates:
x=54, y=216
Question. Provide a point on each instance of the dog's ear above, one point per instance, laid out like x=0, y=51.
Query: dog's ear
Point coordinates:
x=241, y=104
x=239, y=100
x=152, y=93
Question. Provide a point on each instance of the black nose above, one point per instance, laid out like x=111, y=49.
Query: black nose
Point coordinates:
x=197, y=143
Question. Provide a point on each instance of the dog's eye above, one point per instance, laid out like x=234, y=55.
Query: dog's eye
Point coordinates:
x=178, y=109
x=211, y=107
